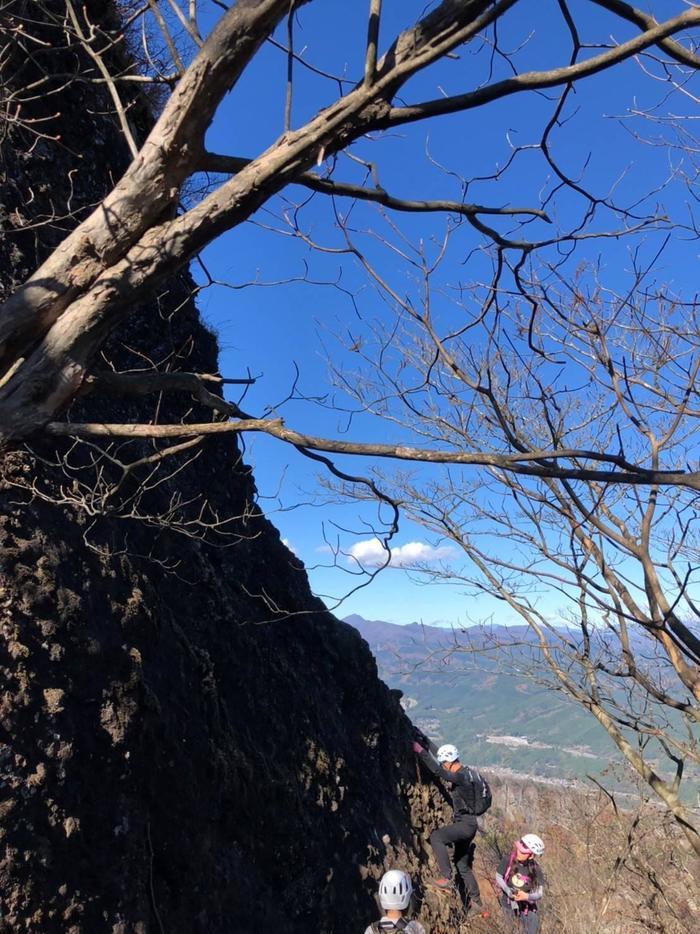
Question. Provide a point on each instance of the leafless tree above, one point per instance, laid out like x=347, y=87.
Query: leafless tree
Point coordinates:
x=606, y=576
x=625, y=855
x=578, y=402
x=54, y=324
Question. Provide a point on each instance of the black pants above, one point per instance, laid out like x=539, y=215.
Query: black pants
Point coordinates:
x=525, y=918
x=461, y=833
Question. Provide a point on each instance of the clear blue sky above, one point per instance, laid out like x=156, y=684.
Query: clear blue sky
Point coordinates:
x=273, y=328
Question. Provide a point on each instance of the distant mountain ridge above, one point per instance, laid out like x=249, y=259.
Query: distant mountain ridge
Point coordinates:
x=456, y=690
x=377, y=630
x=460, y=686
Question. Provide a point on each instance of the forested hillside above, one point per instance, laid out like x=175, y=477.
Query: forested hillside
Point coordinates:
x=484, y=690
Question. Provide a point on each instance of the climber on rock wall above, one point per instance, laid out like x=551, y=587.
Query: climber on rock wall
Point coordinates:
x=471, y=796
x=521, y=883
x=394, y=897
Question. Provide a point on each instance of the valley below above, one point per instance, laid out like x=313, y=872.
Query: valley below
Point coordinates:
x=464, y=687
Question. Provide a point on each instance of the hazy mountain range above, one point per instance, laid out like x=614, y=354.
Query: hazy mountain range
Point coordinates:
x=456, y=689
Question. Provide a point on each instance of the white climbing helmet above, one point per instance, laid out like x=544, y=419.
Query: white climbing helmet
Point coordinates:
x=395, y=890
x=447, y=753
x=533, y=843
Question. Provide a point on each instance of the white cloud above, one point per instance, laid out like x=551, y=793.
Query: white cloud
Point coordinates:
x=371, y=553
x=288, y=544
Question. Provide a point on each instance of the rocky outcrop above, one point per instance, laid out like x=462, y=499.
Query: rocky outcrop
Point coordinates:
x=188, y=740
x=172, y=759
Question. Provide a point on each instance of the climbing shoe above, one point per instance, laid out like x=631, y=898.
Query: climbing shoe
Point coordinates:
x=444, y=885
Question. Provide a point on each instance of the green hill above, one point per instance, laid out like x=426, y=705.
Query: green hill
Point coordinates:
x=496, y=717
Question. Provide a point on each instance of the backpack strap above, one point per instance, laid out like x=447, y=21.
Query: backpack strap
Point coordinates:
x=399, y=925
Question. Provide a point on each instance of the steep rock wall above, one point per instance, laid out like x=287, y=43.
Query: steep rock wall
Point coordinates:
x=175, y=754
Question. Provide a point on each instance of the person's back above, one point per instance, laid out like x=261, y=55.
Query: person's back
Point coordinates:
x=394, y=896
x=386, y=926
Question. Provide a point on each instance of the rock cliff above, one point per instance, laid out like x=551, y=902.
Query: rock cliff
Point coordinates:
x=188, y=740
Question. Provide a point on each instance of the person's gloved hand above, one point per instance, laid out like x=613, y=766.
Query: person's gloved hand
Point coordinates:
x=417, y=748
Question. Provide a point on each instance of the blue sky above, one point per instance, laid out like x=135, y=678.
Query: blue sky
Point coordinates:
x=272, y=330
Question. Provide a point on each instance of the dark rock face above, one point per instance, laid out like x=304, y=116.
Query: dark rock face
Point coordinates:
x=164, y=755
x=175, y=753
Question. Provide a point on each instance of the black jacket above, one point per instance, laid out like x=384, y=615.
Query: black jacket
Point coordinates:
x=461, y=785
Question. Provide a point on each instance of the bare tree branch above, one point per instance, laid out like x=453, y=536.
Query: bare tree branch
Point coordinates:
x=645, y=21
x=232, y=164
x=375, y=12
x=539, y=80
x=515, y=463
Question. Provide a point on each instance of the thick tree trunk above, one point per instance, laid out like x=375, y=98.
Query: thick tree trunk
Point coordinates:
x=150, y=185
